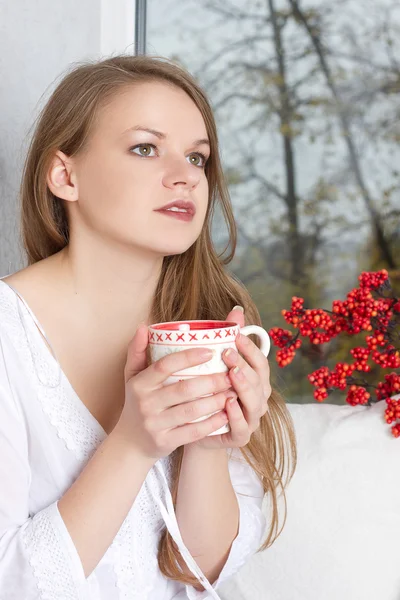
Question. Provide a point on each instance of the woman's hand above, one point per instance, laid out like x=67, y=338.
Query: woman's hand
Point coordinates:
x=252, y=385
x=156, y=418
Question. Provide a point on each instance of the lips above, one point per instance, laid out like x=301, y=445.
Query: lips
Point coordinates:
x=186, y=205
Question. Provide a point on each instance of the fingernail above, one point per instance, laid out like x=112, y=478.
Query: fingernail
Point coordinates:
x=232, y=400
x=207, y=353
x=238, y=373
x=238, y=308
x=230, y=352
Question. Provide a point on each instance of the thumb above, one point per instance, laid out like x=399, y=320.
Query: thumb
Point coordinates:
x=236, y=315
x=137, y=357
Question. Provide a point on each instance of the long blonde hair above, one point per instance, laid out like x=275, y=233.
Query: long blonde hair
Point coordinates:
x=192, y=285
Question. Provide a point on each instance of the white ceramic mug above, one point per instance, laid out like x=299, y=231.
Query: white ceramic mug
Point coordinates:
x=175, y=336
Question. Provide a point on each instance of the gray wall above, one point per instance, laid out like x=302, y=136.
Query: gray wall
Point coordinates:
x=38, y=41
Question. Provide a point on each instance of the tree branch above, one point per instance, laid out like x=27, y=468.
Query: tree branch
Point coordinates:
x=231, y=12
x=345, y=123
x=226, y=49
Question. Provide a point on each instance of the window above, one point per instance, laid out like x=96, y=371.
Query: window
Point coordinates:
x=306, y=96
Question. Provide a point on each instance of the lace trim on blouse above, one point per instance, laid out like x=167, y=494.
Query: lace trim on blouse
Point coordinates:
x=68, y=415
x=47, y=556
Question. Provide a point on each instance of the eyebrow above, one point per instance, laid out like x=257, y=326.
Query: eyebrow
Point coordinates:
x=162, y=136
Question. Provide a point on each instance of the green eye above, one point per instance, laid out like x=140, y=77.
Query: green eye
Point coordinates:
x=197, y=159
x=143, y=149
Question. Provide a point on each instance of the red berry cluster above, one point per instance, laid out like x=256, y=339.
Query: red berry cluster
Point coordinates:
x=389, y=387
x=357, y=395
x=373, y=341
x=389, y=359
x=374, y=280
x=392, y=414
x=388, y=390
x=371, y=308
x=320, y=379
x=361, y=356
x=285, y=340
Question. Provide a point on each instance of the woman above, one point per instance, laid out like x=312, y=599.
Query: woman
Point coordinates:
x=90, y=441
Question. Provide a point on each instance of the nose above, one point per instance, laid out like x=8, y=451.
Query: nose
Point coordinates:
x=179, y=172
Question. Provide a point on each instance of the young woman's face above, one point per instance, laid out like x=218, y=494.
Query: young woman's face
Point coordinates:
x=148, y=148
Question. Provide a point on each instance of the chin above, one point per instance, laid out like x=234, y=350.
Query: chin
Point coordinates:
x=174, y=252
x=173, y=249
x=169, y=245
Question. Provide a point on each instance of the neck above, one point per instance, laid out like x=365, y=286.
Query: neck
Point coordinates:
x=113, y=287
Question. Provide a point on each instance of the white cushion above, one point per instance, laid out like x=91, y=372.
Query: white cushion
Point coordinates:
x=341, y=540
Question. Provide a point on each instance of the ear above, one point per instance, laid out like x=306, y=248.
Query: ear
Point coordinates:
x=61, y=178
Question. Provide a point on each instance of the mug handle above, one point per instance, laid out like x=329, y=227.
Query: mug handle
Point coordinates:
x=262, y=334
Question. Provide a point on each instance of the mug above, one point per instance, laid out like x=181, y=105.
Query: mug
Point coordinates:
x=175, y=336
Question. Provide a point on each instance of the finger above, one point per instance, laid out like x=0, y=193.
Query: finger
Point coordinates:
x=240, y=431
x=192, y=388
x=136, y=355
x=252, y=354
x=197, y=431
x=190, y=411
x=236, y=315
x=166, y=366
x=250, y=397
x=232, y=359
x=259, y=370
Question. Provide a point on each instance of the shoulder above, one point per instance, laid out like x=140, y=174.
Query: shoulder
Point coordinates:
x=9, y=372
x=15, y=356
x=9, y=331
x=28, y=284
x=8, y=309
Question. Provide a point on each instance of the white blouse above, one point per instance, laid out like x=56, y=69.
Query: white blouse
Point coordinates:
x=47, y=435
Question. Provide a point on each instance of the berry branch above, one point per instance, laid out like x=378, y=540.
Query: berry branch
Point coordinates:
x=372, y=308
